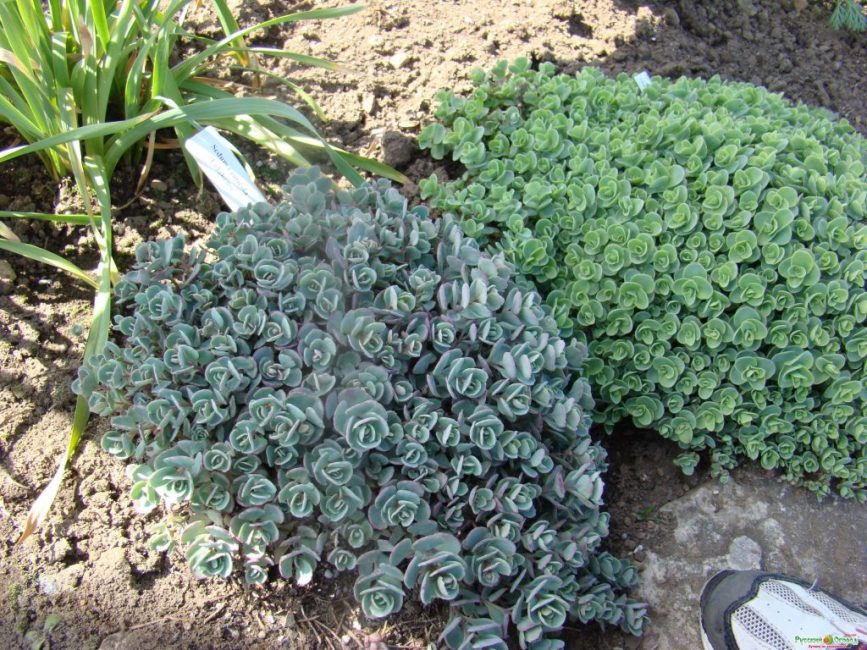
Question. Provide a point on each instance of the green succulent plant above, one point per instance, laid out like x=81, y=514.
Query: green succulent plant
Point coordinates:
x=706, y=239
x=338, y=383
x=849, y=14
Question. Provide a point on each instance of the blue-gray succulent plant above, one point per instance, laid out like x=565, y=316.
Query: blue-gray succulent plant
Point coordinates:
x=341, y=382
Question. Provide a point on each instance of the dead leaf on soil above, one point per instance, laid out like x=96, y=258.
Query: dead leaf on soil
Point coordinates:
x=39, y=509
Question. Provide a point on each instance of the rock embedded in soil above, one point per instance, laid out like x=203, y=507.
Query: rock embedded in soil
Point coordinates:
x=368, y=103
x=398, y=60
x=744, y=554
x=64, y=581
x=138, y=638
x=116, y=641
x=59, y=550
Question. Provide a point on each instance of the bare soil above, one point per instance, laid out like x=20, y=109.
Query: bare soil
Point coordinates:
x=89, y=565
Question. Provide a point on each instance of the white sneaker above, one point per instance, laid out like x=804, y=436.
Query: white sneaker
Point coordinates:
x=754, y=610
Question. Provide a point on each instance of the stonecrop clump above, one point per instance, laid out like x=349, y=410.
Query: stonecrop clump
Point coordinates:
x=340, y=382
x=707, y=239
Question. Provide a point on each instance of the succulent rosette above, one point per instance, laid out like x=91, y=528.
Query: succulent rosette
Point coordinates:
x=707, y=240
x=338, y=383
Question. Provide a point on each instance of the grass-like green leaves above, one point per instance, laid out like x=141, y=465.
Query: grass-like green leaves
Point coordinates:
x=110, y=66
x=38, y=254
x=708, y=240
x=345, y=384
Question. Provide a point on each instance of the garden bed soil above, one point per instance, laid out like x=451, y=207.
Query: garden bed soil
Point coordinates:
x=88, y=570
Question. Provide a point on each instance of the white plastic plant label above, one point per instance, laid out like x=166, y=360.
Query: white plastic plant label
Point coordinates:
x=642, y=79
x=213, y=153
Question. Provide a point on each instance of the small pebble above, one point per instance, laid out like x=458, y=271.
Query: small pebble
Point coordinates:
x=368, y=103
x=398, y=60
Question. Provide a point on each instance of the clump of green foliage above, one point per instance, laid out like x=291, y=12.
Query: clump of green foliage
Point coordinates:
x=707, y=239
x=343, y=383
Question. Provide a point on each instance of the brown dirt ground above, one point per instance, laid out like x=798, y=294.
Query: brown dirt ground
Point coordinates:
x=111, y=591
